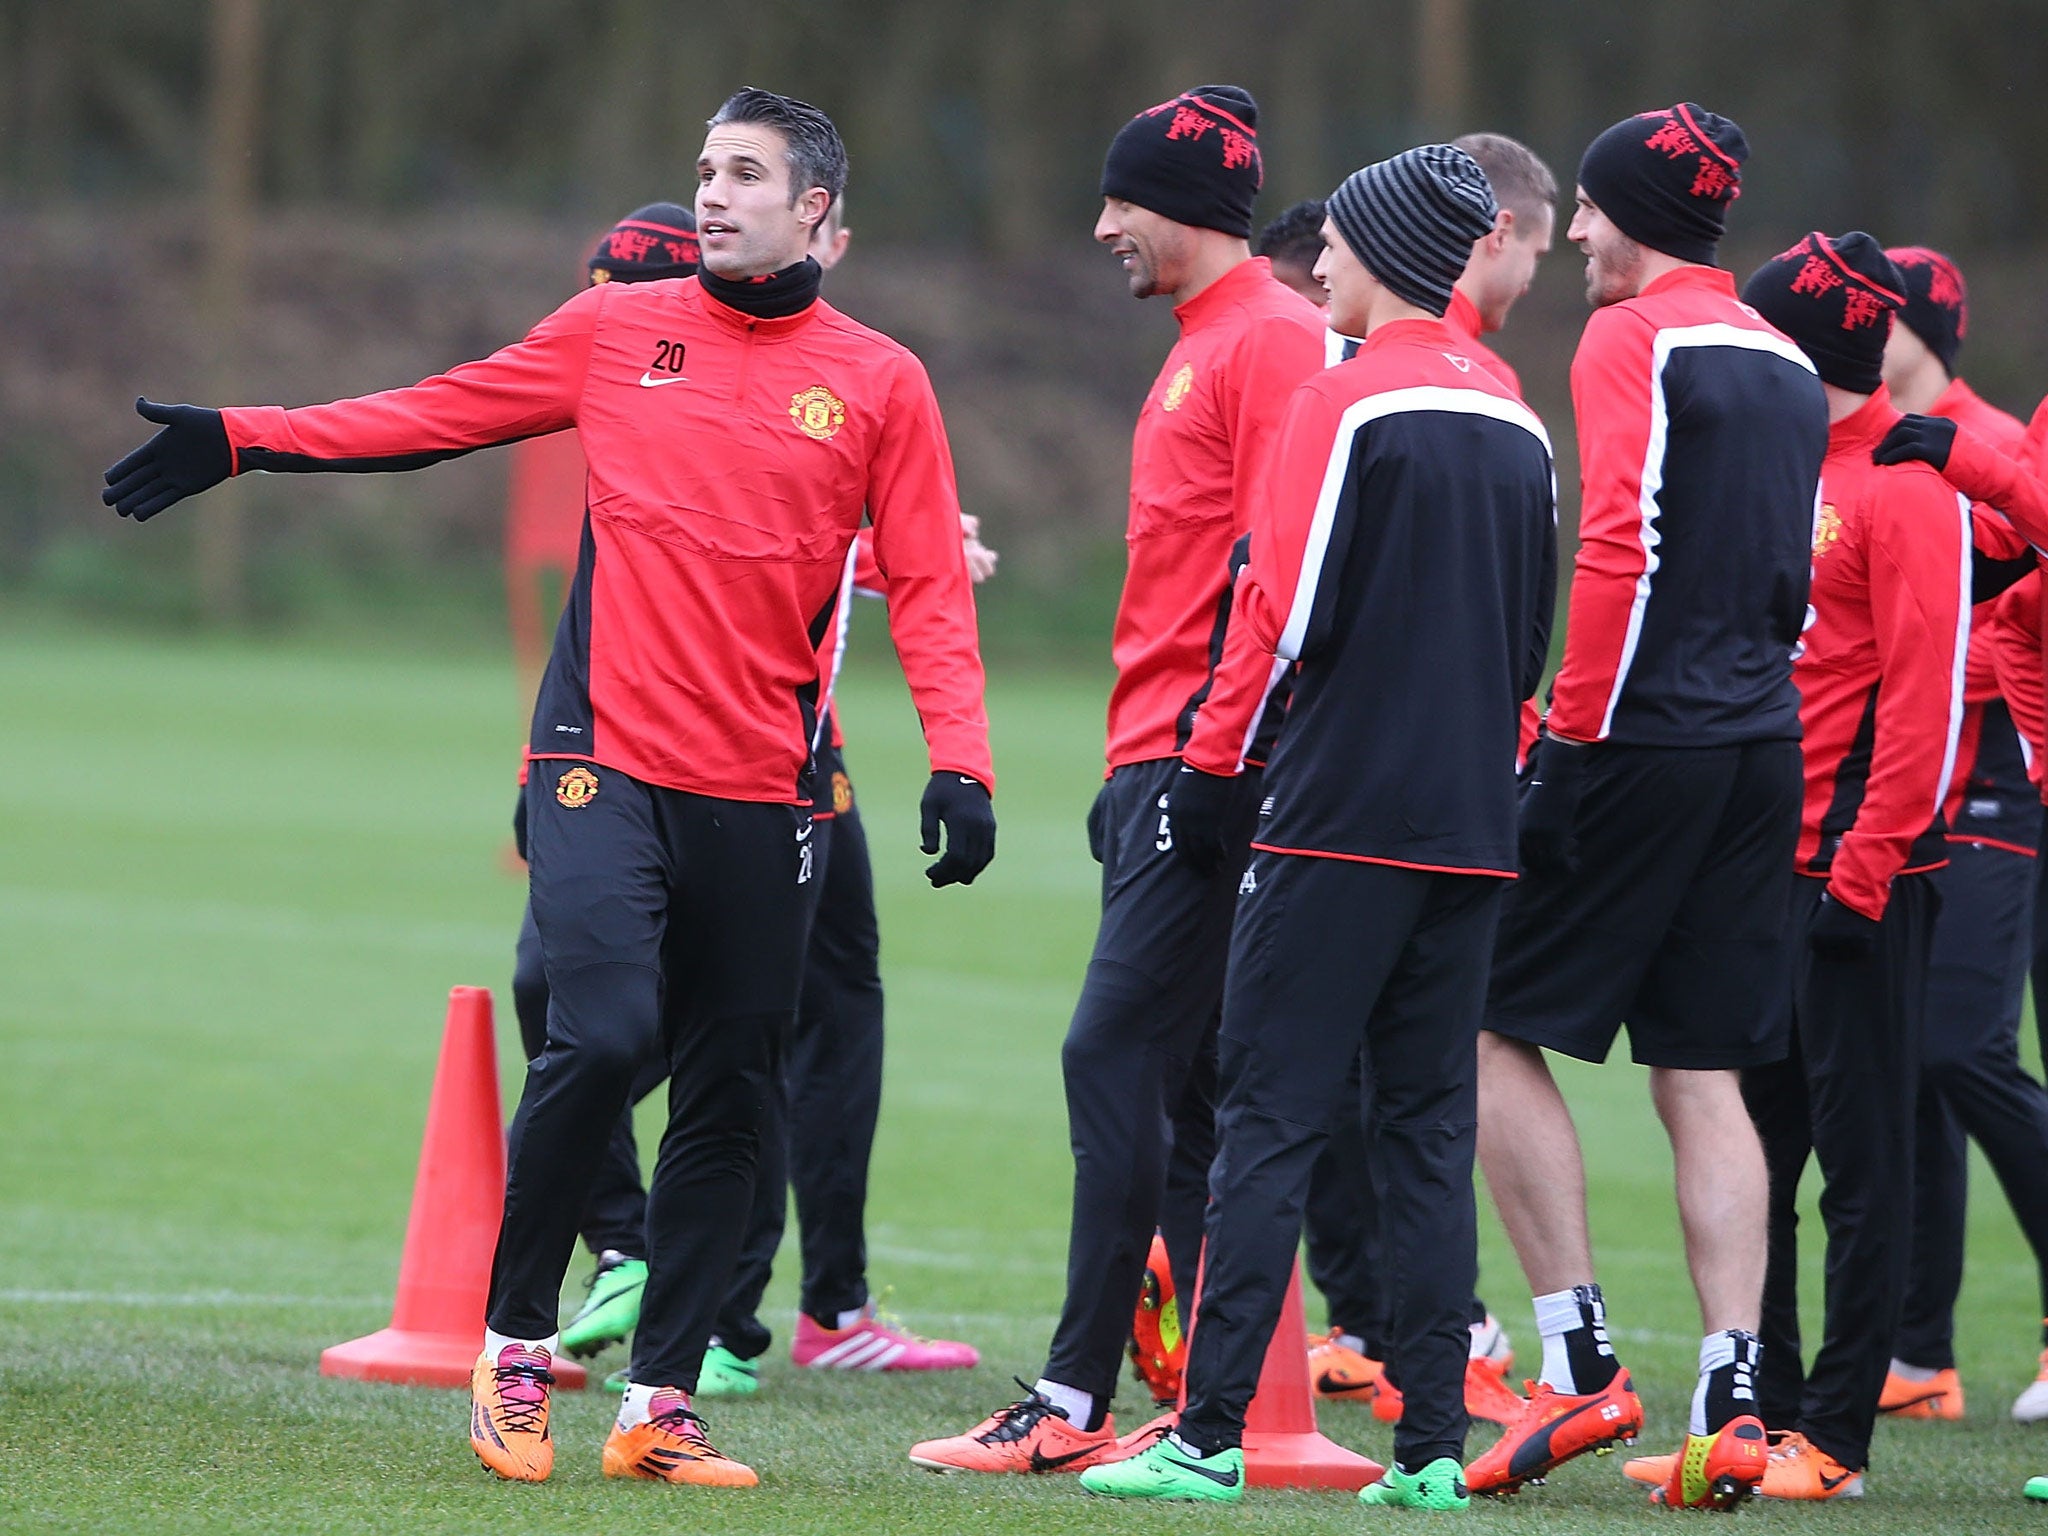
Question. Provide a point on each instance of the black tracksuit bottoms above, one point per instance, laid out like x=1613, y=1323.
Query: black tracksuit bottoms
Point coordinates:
x=1138, y=1113
x=1331, y=957
x=1972, y=1084
x=1845, y=1095
x=670, y=923
x=818, y=1125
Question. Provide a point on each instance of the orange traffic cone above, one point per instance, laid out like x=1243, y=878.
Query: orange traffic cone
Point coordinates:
x=437, y=1325
x=1282, y=1447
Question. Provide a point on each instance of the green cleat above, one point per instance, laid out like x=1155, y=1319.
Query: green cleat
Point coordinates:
x=1167, y=1470
x=2037, y=1488
x=611, y=1310
x=1440, y=1485
x=725, y=1374
x=617, y=1381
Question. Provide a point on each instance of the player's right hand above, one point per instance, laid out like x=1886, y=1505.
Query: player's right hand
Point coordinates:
x=1550, y=806
x=1198, y=808
x=190, y=455
x=1098, y=824
x=961, y=806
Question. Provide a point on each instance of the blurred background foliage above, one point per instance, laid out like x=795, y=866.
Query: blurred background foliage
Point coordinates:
x=293, y=199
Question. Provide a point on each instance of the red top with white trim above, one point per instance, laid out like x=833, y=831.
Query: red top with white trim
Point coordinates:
x=1881, y=669
x=1463, y=317
x=1701, y=431
x=1202, y=438
x=731, y=459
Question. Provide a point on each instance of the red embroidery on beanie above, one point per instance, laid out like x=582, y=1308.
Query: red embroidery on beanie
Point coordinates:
x=1188, y=124
x=1816, y=277
x=1672, y=140
x=1238, y=150
x=629, y=245
x=1860, y=308
x=1712, y=180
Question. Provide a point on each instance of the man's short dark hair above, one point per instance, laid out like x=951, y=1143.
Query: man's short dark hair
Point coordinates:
x=1522, y=183
x=817, y=156
x=1295, y=234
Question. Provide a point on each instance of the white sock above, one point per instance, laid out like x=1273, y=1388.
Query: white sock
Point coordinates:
x=1907, y=1372
x=1350, y=1341
x=849, y=1317
x=1184, y=1448
x=495, y=1343
x=634, y=1411
x=1078, y=1406
x=1487, y=1335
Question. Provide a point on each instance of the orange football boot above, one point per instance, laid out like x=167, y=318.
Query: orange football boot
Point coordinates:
x=1028, y=1436
x=1340, y=1373
x=670, y=1448
x=1552, y=1428
x=1938, y=1397
x=1716, y=1471
x=1158, y=1348
x=1487, y=1393
x=508, y=1414
x=1799, y=1469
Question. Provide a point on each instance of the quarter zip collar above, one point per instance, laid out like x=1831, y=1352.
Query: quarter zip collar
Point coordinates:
x=1864, y=427
x=1223, y=294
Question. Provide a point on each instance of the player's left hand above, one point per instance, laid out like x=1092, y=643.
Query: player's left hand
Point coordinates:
x=191, y=454
x=1928, y=439
x=1840, y=932
x=1198, y=810
x=961, y=805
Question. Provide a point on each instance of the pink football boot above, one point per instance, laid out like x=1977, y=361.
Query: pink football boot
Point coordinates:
x=872, y=1343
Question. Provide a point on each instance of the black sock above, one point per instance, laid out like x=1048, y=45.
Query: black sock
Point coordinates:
x=1727, y=1385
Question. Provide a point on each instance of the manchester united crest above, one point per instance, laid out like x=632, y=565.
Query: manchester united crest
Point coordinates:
x=818, y=411
x=1827, y=529
x=1177, y=388
x=576, y=788
x=842, y=794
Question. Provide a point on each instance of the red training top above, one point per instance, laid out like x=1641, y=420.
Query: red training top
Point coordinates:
x=1880, y=674
x=544, y=512
x=1202, y=438
x=731, y=458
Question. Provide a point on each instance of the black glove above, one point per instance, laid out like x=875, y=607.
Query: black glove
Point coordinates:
x=189, y=455
x=1840, y=932
x=1928, y=439
x=1550, y=805
x=961, y=805
x=1198, y=808
x=1098, y=824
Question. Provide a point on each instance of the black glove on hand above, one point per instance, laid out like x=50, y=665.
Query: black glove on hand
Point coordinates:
x=189, y=455
x=1198, y=810
x=1550, y=806
x=961, y=805
x=1098, y=824
x=1928, y=439
x=1840, y=932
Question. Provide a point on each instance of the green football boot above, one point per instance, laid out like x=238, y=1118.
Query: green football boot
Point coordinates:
x=725, y=1374
x=1440, y=1485
x=1168, y=1471
x=612, y=1309
x=2037, y=1488
x=616, y=1382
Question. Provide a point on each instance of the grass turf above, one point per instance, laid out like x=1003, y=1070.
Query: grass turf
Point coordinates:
x=238, y=881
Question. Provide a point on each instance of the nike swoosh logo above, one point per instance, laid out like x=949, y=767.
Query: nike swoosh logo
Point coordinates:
x=1830, y=1484
x=805, y=835
x=1331, y=1386
x=649, y=381
x=1220, y=1479
x=1040, y=1462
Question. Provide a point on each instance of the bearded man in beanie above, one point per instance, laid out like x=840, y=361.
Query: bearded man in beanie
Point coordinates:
x=1408, y=481
x=1177, y=188
x=1661, y=810
x=1972, y=1082
x=1880, y=676
x=668, y=808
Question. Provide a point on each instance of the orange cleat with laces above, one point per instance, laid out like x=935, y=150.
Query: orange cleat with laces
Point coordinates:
x=670, y=1447
x=508, y=1414
x=1552, y=1428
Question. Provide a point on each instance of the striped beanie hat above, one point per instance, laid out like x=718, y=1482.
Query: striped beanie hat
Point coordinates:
x=1411, y=220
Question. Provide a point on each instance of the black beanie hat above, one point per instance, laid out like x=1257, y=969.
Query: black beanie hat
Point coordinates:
x=657, y=241
x=1411, y=220
x=1666, y=178
x=1937, y=301
x=1194, y=159
x=1834, y=298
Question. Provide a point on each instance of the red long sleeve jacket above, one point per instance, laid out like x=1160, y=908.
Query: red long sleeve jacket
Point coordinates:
x=1701, y=431
x=1881, y=669
x=730, y=461
x=1201, y=443
x=2016, y=658
x=1405, y=538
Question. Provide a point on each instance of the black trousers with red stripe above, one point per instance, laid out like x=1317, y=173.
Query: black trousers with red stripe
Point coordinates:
x=1846, y=1097
x=669, y=924
x=1329, y=959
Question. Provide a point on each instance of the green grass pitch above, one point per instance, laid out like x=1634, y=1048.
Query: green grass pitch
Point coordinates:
x=237, y=883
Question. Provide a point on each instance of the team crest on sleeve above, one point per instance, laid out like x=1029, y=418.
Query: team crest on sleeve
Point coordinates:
x=1177, y=388
x=576, y=788
x=1827, y=529
x=817, y=411
x=842, y=794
